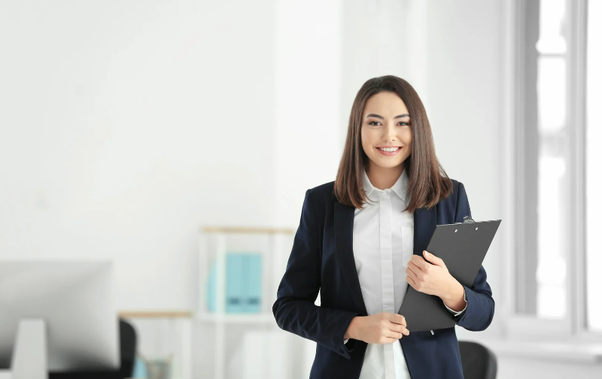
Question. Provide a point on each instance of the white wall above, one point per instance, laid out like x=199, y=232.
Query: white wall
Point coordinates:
x=307, y=146
x=125, y=127
x=372, y=36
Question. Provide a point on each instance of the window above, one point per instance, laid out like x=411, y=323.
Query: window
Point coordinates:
x=594, y=164
x=543, y=264
x=557, y=141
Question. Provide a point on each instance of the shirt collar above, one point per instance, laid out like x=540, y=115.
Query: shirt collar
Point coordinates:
x=399, y=188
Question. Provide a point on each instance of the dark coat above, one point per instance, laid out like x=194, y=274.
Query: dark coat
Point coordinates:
x=322, y=261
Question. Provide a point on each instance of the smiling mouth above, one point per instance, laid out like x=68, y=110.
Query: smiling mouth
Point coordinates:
x=389, y=149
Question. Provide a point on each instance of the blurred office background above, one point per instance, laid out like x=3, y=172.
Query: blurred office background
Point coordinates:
x=128, y=126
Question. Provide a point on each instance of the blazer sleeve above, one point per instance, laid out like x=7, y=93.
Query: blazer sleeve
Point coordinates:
x=480, y=306
x=294, y=309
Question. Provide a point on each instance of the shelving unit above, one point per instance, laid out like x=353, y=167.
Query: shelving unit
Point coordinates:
x=215, y=242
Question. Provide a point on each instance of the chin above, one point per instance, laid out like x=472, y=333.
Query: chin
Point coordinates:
x=389, y=164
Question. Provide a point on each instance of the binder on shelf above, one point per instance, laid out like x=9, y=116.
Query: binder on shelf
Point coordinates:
x=235, y=277
x=252, y=296
x=243, y=284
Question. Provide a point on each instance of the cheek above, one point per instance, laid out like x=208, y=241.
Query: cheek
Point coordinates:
x=366, y=139
x=407, y=136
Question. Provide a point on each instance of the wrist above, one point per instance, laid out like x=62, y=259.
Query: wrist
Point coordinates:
x=351, y=329
x=454, y=298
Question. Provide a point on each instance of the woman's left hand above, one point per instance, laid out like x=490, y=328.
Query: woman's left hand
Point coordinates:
x=435, y=279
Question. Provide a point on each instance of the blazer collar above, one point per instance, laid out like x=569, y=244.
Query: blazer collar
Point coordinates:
x=425, y=222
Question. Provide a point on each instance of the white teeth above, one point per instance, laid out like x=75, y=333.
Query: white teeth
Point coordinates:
x=388, y=149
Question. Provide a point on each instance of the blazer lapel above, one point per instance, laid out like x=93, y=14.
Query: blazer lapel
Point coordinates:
x=343, y=233
x=425, y=223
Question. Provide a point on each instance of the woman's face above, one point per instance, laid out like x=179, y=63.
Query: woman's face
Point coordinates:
x=386, y=125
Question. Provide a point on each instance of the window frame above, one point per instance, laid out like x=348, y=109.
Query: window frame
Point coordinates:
x=520, y=326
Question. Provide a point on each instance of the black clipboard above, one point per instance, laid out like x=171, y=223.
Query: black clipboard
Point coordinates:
x=462, y=246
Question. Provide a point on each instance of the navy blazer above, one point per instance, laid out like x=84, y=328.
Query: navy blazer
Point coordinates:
x=321, y=261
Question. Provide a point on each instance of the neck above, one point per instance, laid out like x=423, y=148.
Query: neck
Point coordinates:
x=383, y=177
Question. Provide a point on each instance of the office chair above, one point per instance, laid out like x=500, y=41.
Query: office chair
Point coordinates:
x=127, y=344
x=478, y=362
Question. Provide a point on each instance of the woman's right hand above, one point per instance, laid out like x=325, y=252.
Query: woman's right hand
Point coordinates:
x=379, y=328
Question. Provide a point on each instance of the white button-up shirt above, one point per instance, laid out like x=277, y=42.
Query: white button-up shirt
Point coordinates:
x=383, y=242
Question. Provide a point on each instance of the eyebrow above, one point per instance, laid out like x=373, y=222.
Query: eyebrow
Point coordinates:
x=382, y=118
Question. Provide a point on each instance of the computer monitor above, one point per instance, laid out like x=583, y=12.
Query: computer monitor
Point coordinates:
x=74, y=299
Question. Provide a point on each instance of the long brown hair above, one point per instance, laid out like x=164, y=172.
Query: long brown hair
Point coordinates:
x=428, y=181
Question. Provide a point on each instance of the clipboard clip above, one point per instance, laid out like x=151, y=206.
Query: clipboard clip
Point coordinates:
x=468, y=220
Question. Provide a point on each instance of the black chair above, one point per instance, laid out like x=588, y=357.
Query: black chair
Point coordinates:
x=478, y=362
x=127, y=344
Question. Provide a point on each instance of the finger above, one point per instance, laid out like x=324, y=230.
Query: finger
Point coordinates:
x=397, y=328
x=411, y=282
x=400, y=331
x=394, y=334
x=410, y=272
x=433, y=258
x=419, y=262
x=416, y=273
x=403, y=321
x=398, y=319
x=416, y=259
x=415, y=267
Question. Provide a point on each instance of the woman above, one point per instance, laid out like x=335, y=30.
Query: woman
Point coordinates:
x=361, y=241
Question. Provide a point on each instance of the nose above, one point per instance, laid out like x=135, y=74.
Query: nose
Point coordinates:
x=389, y=133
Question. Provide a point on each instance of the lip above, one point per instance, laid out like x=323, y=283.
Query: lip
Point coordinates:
x=389, y=154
